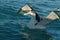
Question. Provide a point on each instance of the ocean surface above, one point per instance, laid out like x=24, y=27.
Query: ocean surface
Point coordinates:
x=13, y=26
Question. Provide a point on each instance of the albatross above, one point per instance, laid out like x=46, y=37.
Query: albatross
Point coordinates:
x=29, y=11
x=36, y=21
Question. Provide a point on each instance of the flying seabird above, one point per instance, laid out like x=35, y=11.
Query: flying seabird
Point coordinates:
x=39, y=23
x=29, y=11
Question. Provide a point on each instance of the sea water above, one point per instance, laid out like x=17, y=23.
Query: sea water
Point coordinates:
x=13, y=26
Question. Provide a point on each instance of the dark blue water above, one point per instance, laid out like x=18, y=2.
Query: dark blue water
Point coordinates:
x=12, y=25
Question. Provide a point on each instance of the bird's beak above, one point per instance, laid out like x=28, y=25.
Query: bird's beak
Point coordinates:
x=20, y=11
